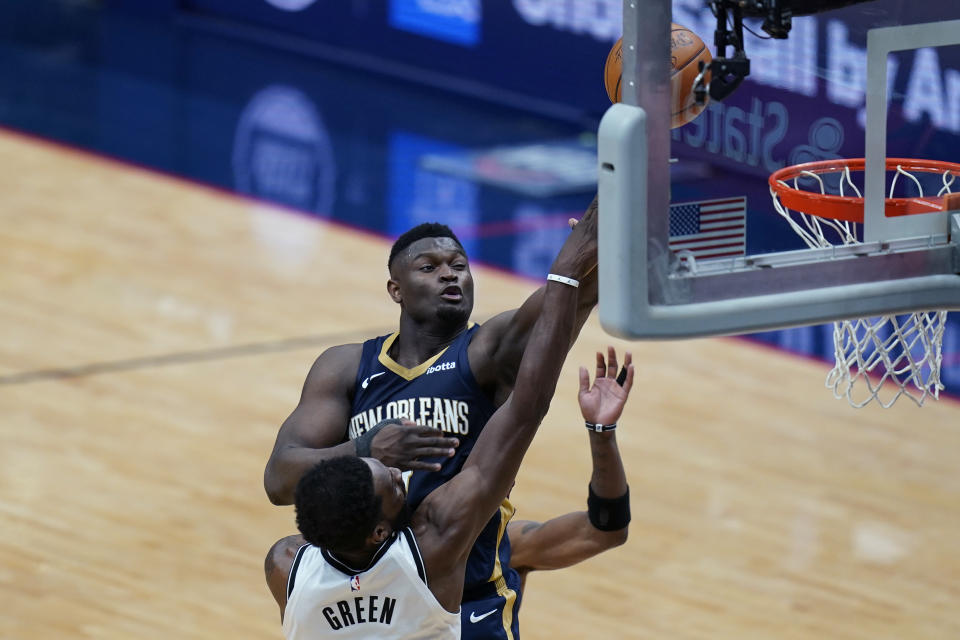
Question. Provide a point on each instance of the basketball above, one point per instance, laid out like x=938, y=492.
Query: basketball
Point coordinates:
x=686, y=51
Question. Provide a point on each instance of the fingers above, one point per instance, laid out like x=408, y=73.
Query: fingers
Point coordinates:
x=419, y=465
x=622, y=376
x=607, y=368
x=430, y=437
x=572, y=222
x=628, y=383
x=444, y=443
x=433, y=452
x=625, y=377
x=428, y=445
x=584, y=380
x=611, y=362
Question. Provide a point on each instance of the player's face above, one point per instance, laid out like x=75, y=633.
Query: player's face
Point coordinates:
x=388, y=484
x=434, y=280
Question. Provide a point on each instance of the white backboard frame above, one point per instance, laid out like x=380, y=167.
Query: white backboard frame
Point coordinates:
x=643, y=296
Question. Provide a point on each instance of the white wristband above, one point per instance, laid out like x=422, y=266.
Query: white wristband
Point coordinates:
x=600, y=428
x=563, y=280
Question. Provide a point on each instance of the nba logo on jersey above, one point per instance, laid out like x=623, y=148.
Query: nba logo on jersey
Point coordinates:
x=355, y=583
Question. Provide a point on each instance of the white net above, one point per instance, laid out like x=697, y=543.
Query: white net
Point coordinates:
x=878, y=358
x=905, y=350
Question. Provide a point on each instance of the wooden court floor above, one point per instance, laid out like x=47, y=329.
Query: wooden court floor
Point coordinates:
x=154, y=334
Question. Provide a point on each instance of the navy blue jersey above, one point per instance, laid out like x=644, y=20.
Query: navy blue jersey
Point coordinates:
x=442, y=393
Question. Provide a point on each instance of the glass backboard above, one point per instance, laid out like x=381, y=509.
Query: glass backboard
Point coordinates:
x=696, y=248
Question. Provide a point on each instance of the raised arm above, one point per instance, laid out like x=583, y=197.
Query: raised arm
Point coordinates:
x=575, y=537
x=496, y=350
x=317, y=429
x=451, y=517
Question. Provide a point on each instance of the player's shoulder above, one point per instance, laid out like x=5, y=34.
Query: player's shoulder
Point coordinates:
x=339, y=358
x=497, y=324
x=334, y=369
x=283, y=550
x=487, y=336
x=351, y=350
x=486, y=343
x=279, y=560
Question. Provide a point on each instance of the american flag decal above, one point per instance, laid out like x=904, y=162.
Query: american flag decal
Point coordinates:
x=709, y=228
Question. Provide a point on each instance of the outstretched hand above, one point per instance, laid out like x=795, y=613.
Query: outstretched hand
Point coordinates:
x=405, y=445
x=603, y=402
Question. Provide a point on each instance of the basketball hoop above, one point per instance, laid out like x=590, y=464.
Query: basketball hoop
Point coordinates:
x=824, y=206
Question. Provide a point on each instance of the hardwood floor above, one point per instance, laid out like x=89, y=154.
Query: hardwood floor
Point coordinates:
x=156, y=333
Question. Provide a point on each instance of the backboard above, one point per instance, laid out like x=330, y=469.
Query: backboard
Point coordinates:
x=708, y=255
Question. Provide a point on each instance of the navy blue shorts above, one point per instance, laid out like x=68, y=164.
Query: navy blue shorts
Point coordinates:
x=492, y=615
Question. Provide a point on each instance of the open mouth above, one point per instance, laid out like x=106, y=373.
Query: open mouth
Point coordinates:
x=453, y=294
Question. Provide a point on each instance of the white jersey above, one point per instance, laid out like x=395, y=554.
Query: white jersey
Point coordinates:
x=387, y=599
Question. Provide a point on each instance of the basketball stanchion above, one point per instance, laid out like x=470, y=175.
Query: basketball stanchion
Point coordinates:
x=823, y=204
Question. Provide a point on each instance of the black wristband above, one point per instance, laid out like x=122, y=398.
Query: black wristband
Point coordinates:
x=599, y=428
x=363, y=442
x=608, y=514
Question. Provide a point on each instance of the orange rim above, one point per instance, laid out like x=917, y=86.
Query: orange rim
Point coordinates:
x=850, y=208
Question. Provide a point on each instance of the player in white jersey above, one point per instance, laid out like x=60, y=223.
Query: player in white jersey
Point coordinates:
x=353, y=509
x=369, y=607
x=439, y=370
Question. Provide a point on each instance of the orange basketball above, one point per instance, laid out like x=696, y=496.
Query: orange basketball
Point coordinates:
x=686, y=51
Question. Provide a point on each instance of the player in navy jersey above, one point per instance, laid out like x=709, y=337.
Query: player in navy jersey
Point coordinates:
x=437, y=370
x=355, y=540
x=442, y=394
x=366, y=566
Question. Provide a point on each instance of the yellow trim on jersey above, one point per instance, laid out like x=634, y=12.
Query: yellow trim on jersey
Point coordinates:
x=509, y=595
x=403, y=372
